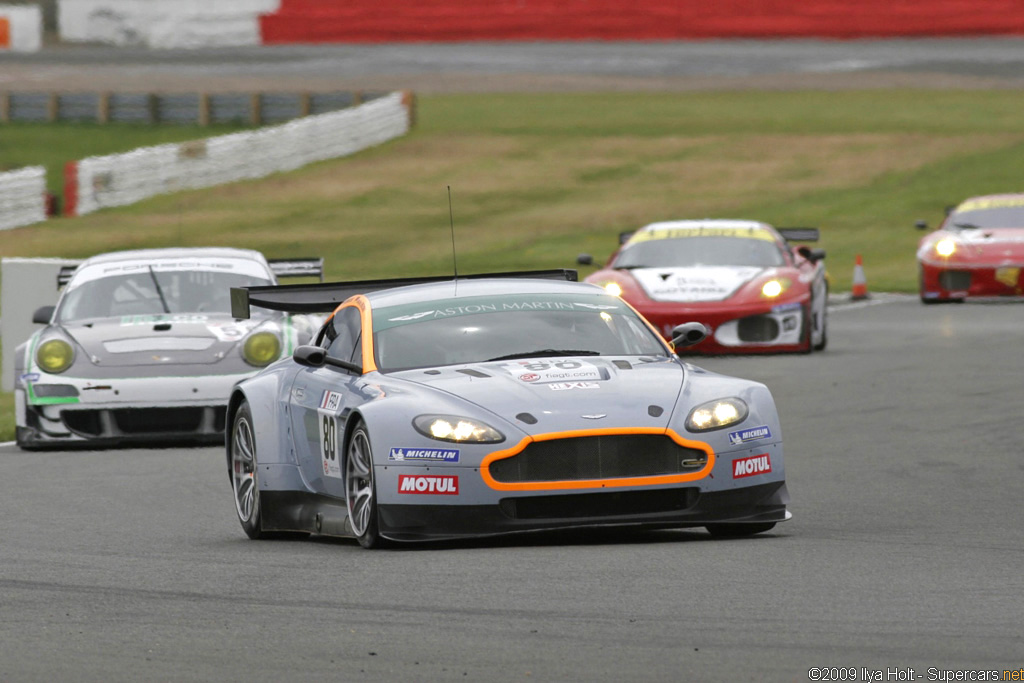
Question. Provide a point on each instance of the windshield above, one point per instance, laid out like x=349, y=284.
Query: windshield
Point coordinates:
x=995, y=217
x=700, y=251
x=153, y=292
x=495, y=328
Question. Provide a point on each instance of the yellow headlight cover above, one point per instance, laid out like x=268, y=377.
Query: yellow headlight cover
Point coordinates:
x=261, y=348
x=55, y=355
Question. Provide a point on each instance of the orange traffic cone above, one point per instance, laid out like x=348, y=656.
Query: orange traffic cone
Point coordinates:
x=860, y=283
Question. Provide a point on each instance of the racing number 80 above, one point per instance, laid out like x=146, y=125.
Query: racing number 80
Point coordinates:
x=329, y=440
x=561, y=365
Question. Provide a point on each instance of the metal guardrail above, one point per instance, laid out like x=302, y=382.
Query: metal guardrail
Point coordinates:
x=257, y=108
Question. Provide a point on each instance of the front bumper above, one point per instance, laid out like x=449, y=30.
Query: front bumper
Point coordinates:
x=749, y=328
x=662, y=508
x=118, y=411
x=943, y=281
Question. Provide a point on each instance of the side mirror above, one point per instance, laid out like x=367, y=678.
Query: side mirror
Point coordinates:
x=921, y=225
x=812, y=255
x=585, y=260
x=43, y=315
x=316, y=357
x=688, y=334
x=310, y=356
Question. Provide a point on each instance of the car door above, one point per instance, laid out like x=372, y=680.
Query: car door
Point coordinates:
x=322, y=399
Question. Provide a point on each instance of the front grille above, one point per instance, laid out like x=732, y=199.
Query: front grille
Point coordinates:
x=611, y=504
x=145, y=421
x=598, y=457
x=955, y=279
x=758, y=328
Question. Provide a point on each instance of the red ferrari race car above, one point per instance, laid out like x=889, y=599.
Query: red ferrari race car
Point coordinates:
x=753, y=291
x=978, y=251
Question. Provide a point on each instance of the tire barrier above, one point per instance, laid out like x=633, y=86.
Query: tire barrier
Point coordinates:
x=22, y=197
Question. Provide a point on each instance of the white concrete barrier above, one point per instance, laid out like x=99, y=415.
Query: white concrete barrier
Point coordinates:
x=22, y=197
x=21, y=28
x=163, y=23
x=116, y=180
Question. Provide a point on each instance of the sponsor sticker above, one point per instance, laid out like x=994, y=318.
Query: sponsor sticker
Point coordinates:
x=428, y=484
x=1008, y=276
x=30, y=377
x=331, y=400
x=751, y=466
x=752, y=434
x=424, y=454
x=545, y=371
x=130, y=320
x=566, y=386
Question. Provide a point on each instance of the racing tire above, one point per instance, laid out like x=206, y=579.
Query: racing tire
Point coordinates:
x=361, y=489
x=23, y=437
x=244, y=476
x=739, y=529
x=820, y=346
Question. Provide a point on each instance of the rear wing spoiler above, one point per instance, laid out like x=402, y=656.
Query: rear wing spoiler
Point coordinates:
x=325, y=297
x=65, y=273
x=799, y=234
x=297, y=267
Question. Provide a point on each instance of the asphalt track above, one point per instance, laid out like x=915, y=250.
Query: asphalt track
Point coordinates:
x=903, y=453
x=516, y=67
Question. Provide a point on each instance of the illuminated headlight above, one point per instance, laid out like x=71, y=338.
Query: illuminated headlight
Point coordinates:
x=774, y=288
x=55, y=356
x=945, y=247
x=613, y=288
x=261, y=348
x=716, y=414
x=457, y=429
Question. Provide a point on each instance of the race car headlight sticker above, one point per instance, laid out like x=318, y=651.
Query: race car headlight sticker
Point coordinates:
x=945, y=247
x=774, y=287
x=261, y=348
x=613, y=288
x=457, y=429
x=716, y=414
x=55, y=356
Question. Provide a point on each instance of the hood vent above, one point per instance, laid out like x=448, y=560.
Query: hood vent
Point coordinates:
x=623, y=364
x=473, y=373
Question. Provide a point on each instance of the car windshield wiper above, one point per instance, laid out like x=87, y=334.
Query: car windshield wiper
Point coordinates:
x=159, y=290
x=542, y=353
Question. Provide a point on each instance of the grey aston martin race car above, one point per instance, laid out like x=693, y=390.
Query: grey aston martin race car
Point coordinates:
x=438, y=408
x=141, y=347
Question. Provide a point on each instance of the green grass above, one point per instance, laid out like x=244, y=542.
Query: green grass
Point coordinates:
x=537, y=178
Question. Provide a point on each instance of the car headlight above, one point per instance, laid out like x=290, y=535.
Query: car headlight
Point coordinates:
x=457, y=429
x=945, y=247
x=261, y=348
x=613, y=288
x=55, y=355
x=774, y=287
x=716, y=414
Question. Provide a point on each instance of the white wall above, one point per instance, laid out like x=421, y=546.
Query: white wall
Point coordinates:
x=27, y=284
x=22, y=197
x=163, y=23
x=120, y=179
x=26, y=27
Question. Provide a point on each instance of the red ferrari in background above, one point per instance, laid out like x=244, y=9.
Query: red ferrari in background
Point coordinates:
x=741, y=279
x=978, y=251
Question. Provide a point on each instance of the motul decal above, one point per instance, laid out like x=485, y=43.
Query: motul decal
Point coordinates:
x=753, y=465
x=430, y=484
